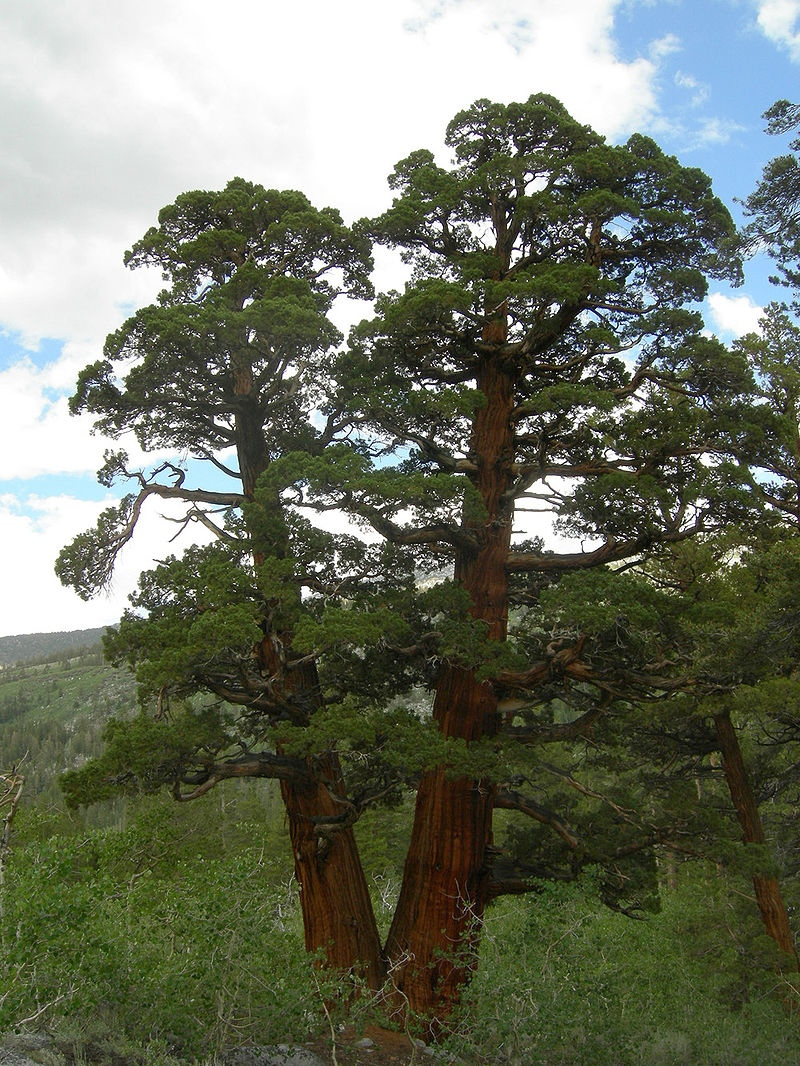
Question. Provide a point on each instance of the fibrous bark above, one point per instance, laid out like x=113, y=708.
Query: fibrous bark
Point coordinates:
x=432, y=945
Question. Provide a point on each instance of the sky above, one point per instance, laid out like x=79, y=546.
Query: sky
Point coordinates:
x=108, y=111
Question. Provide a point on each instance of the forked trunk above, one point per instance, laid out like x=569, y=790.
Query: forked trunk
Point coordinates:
x=767, y=889
x=433, y=942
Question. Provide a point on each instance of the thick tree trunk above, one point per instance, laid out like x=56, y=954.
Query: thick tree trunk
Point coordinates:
x=767, y=889
x=338, y=916
x=251, y=449
x=432, y=945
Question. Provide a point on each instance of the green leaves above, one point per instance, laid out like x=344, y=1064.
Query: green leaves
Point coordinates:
x=340, y=627
x=773, y=205
x=206, y=237
x=551, y=254
x=87, y=563
x=144, y=754
x=252, y=276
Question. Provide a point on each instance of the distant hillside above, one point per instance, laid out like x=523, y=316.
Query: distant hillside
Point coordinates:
x=54, y=706
x=41, y=646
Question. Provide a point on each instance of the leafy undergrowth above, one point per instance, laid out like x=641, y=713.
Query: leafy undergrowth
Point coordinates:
x=564, y=980
x=173, y=946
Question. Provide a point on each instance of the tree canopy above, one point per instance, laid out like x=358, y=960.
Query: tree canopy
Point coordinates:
x=547, y=356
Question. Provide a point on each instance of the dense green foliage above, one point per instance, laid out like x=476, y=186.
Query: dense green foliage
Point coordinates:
x=582, y=717
x=179, y=932
x=585, y=260
x=176, y=930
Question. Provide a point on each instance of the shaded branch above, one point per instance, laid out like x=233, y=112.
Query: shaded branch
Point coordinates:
x=510, y=800
x=590, y=793
x=612, y=550
x=263, y=764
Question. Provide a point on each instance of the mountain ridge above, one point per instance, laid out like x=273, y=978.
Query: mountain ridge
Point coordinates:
x=24, y=647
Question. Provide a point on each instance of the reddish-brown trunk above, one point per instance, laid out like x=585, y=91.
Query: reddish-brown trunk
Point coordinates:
x=433, y=942
x=338, y=917
x=767, y=889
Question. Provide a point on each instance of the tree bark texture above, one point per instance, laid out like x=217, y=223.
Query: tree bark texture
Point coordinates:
x=251, y=448
x=433, y=942
x=767, y=889
x=338, y=917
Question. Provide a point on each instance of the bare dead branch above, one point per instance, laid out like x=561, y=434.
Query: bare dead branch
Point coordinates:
x=12, y=783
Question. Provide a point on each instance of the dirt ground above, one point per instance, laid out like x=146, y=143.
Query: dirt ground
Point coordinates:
x=373, y=1046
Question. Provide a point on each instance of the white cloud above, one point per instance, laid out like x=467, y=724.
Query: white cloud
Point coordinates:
x=710, y=131
x=38, y=435
x=34, y=531
x=734, y=316
x=778, y=19
x=33, y=599
x=108, y=111
x=664, y=46
x=699, y=91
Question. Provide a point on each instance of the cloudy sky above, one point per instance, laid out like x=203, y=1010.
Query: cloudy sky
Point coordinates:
x=109, y=110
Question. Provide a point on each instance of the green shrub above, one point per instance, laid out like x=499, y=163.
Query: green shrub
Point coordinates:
x=565, y=980
x=199, y=952
x=182, y=931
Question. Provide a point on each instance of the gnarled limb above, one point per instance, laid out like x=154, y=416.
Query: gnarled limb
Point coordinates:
x=510, y=800
x=87, y=564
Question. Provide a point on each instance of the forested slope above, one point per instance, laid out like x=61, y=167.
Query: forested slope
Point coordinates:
x=30, y=647
x=175, y=926
x=54, y=703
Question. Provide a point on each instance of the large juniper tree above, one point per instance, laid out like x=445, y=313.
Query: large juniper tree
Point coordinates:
x=547, y=353
x=226, y=370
